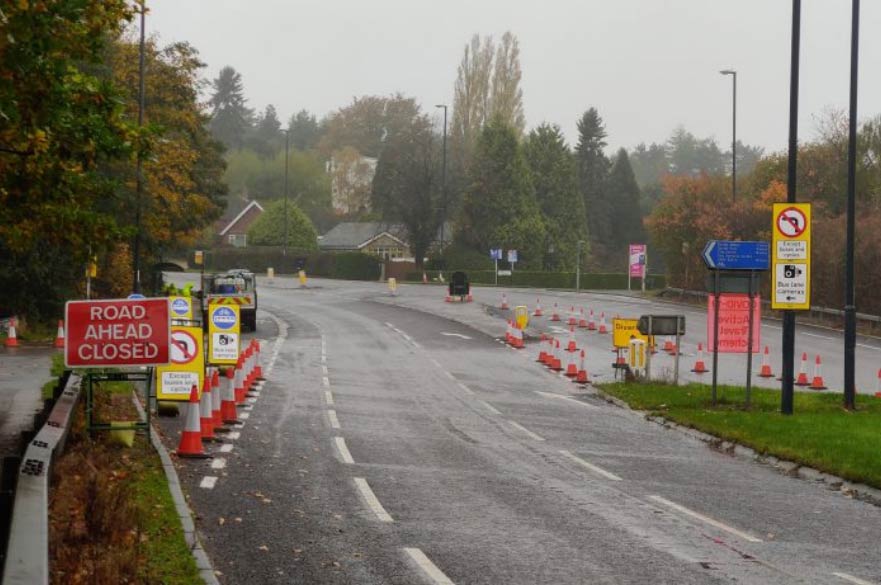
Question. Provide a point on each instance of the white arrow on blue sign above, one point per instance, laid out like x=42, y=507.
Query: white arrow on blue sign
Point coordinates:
x=735, y=255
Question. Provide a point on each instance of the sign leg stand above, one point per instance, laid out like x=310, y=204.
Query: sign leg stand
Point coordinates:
x=676, y=357
x=749, y=341
x=715, y=337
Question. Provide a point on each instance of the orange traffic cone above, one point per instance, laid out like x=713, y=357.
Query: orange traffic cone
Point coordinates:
x=191, y=437
x=542, y=354
x=571, y=346
x=766, y=372
x=669, y=346
x=216, y=399
x=555, y=316
x=878, y=386
x=817, y=383
x=591, y=322
x=571, y=366
x=448, y=299
x=549, y=354
x=582, y=321
x=620, y=360
x=508, y=335
x=504, y=305
x=206, y=419
x=581, y=377
x=603, y=328
x=239, y=377
x=699, y=366
x=572, y=320
x=469, y=298
x=556, y=365
x=538, y=312
x=258, y=369
x=12, y=337
x=228, y=403
x=424, y=278
x=802, y=379
x=59, y=337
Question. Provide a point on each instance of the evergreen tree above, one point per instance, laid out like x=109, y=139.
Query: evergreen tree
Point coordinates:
x=499, y=207
x=230, y=117
x=267, y=138
x=626, y=211
x=553, y=177
x=592, y=168
x=304, y=130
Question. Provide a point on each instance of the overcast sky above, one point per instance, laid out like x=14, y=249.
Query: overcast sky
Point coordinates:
x=646, y=65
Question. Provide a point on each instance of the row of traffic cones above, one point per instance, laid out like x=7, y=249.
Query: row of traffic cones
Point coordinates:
x=551, y=354
x=514, y=335
x=215, y=409
x=12, y=336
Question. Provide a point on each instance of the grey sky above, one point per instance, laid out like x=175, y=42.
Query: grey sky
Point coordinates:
x=646, y=65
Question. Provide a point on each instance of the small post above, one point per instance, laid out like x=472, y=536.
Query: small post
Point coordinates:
x=676, y=357
x=645, y=267
x=749, y=340
x=715, y=335
x=648, y=353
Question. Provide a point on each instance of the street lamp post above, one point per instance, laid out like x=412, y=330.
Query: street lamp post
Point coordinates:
x=444, y=179
x=139, y=180
x=733, y=75
x=287, y=147
x=850, y=320
x=578, y=265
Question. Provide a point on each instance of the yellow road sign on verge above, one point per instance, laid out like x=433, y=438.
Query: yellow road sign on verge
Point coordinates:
x=187, y=367
x=623, y=330
x=521, y=316
x=791, y=256
x=224, y=339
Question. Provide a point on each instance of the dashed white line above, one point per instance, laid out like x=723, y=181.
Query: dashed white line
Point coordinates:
x=226, y=448
x=208, y=482
x=590, y=466
x=233, y=435
x=493, y=409
x=324, y=370
x=567, y=398
x=853, y=579
x=334, y=421
x=328, y=397
x=218, y=463
x=805, y=333
x=248, y=407
x=863, y=345
x=705, y=519
x=465, y=388
x=450, y=376
x=323, y=358
x=526, y=431
x=244, y=415
x=325, y=381
x=343, y=450
x=428, y=567
x=251, y=399
x=436, y=363
x=371, y=500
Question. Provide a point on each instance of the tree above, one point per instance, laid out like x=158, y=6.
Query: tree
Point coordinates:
x=267, y=139
x=649, y=163
x=304, y=130
x=406, y=187
x=499, y=207
x=507, y=96
x=592, y=168
x=553, y=176
x=367, y=123
x=691, y=157
x=627, y=225
x=269, y=229
x=471, y=98
x=351, y=177
x=230, y=117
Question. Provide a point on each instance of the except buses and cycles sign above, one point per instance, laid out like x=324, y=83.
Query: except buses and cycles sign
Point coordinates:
x=118, y=332
x=791, y=250
x=223, y=334
x=187, y=367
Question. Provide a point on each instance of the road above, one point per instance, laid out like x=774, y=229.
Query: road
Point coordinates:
x=23, y=371
x=397, y=441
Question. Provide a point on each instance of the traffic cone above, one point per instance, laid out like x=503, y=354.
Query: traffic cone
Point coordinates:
x=878, y=386
x=538, y=312
x=469, y=298
x=766, y=372
x=542, y=354
x=555, y=316
x=817, y=383
x=191, y=437
x=549, y=353
x=556, y=364
x=591, y=322
x=572, y=346
x=12, y=337
x=448, y=299
x=504, y=305
x=620, y=360
x=59, y=337
x=581, y=377
x=424, y=278
x=216, y=399
x=802, y=379
x=228, y=403
x=571, y=366
x=582, y=321
x=238, y=390
x=572, y=320
x=518, y=337
x=669, y=346
x=206, y=419
x=258, y=369
x=603, y=329
x=699, y=366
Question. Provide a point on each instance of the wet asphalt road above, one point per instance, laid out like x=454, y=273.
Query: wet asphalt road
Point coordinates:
x=23, y=371
x=393, y=445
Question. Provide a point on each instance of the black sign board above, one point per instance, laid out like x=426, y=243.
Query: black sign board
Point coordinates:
x=733, y=282
x=661, y=324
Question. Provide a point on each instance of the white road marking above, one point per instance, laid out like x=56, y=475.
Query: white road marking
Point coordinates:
x=429, y=568
x=248, y=407
x=590, y=466
x=325, y=381
x=343, y=450
x=334, y=421
x=853, y=579
x=526, y=431
x=450, y=376
x=402, y=334
x=815, y=335
x=492, y=409
x=465, y=388
x=454, y=335
x=324, y=370
x=371, y=500
x=436, y=363
x=208, y=482
x=705, y=519
x=251, y=399
x=323, y=358
x=233, y=435
x=567, y=398
x=244, y=415
x=218, y=463
x=863, y=345
x=328, y=397
x=226, y=448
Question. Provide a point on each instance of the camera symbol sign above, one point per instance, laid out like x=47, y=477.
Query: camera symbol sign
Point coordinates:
x=791, y=222
x=184, y=348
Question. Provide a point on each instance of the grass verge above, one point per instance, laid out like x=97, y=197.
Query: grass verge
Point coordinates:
x=111, y=515
x=821, y=434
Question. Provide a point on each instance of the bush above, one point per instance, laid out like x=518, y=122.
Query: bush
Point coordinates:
x=526, y=278
x=269, y=229
x=348, y=265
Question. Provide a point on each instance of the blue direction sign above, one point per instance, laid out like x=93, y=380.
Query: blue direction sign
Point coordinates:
x=731, y=255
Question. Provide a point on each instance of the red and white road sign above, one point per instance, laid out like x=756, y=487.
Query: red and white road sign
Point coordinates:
x=184, y=347
x=734, y=322
x=791, y=222
x=118, y=332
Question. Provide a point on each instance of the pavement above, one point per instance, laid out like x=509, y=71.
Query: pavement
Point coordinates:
x=23, y=371
x=396, y=441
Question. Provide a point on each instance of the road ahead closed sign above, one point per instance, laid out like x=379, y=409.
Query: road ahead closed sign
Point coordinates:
x=119, y=332
x=791, y=250
x=223, y=334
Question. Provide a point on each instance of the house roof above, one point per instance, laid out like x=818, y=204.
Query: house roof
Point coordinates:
x=356, y=235
x=239, y=216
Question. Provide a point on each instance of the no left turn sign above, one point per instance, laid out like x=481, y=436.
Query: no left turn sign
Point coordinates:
x=791, y=222
x=184, y=347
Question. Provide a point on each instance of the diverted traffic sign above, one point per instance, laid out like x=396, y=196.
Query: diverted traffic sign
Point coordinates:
x=791, y=249
x=734, y=255
x=734, y=322
x=623, y=330
x=224, y=324
x=187, y=367
x=117, y=333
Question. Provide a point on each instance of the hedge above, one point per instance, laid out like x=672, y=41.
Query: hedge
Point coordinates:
x=526, y=278
x=347, y=265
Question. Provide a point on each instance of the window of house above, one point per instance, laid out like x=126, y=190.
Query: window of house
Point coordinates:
x=238, y=240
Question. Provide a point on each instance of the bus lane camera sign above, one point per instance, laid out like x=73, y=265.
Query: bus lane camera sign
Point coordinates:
x=117, y=333
x=223, y=334
x=187, y=367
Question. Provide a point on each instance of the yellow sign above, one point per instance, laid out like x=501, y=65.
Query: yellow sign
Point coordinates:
x=187, y=367
x=224, y=339
x=791, y=256
x=623, y=330
x=393, y=284
x=521, y=316
x=302, y=277
x=197, y=258
x=181, y=307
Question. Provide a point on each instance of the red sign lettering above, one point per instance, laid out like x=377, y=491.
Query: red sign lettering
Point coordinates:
x=734, y=323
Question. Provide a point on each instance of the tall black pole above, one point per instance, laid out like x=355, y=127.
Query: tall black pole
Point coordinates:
x=139, y=180
x=734, y=138
x=444, y=181
x=850, y=317
x=787, y=393
x=287, y=147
